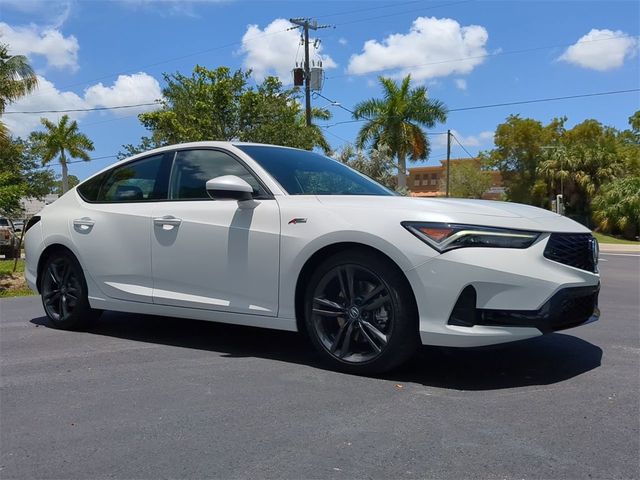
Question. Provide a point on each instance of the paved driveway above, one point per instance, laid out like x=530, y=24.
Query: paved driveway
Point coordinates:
x=150, y=397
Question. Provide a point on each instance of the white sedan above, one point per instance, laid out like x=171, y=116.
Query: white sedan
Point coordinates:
x=282, y=238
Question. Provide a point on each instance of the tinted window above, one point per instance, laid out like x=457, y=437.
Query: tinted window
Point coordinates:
x=4, y=222
x=90, y=189
x=301, y=172
x=193, y=168
x=135, y=182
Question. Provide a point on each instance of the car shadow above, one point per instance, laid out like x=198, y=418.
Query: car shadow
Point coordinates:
x=543, y=360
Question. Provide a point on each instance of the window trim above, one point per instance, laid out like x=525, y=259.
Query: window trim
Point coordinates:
x=268, y=194
x=107, y=173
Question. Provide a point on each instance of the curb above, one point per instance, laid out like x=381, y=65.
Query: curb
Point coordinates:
x=619, y=248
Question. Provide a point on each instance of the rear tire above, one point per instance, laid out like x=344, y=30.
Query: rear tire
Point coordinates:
x=360, y=313
x=64, y=292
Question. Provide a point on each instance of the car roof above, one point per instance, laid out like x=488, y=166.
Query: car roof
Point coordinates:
x=206, y=143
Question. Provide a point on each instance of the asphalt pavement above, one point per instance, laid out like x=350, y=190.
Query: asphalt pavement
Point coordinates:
x=153, y=397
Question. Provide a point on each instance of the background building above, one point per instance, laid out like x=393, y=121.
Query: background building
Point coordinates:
x=431, y=181
x=31, y=206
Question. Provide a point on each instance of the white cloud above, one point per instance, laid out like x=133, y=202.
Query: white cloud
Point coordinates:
x=601, y=50
x=342, y=41
x=59, y=51
x=432, y=48
x=461, y=83
x=54, y=13
x=273, y=50
x=126, y=90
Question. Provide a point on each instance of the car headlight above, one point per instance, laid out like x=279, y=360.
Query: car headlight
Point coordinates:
x=447, y=236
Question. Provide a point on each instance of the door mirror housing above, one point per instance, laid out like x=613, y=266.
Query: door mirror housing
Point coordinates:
x=229, y=187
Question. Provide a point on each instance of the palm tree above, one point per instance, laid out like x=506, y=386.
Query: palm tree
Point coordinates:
x=17, y=79
x=397, y=120
x=60, y=140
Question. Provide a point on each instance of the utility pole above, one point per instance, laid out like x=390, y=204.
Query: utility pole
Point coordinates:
x=448, y=158
x=306, y=24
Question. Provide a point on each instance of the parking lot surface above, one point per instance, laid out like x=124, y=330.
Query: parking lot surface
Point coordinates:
x=153, y=397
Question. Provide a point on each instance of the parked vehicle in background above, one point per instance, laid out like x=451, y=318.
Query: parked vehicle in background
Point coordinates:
x=282, y=238
x=9, y=241
x=17, y=225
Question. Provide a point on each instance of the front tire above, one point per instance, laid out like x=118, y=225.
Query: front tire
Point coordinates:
x=360, y=313
x=64, y=292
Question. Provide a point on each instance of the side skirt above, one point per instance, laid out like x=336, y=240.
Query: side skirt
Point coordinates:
x=288, y=324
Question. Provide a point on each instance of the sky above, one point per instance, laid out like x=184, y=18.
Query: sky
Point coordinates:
x=106, y=53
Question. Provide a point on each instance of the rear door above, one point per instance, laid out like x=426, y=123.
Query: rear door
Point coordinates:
x=112, y=230
x=215, y=254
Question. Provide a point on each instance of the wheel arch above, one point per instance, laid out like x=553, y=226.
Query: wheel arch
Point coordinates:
x=44, y=256
x=316, y=259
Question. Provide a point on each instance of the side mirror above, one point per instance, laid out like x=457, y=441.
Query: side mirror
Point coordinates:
x=229, y=186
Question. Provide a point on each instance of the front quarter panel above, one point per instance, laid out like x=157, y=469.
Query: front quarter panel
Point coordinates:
x=323, y=226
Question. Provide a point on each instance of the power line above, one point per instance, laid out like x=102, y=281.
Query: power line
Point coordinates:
x=233, y=44
x=461, y=146
x=169, y=60
x=93, y=109
x=504, y=104
x=404, y=12
x=379, y=7
x=541, y=100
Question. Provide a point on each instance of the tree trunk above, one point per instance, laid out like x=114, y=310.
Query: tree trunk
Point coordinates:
x=402, y=171
x=65, y=179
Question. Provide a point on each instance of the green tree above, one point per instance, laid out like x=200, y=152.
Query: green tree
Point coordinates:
x=219, y=105
x=585, y=158
x=520, y=145
x=616, y=208
x=271, y=114
x=378, y=165
x=467, y=179
x=61, y=140
x=17, y=79
x=73, y=181
x=629, y=145
x=397, y=120
x=20, y=176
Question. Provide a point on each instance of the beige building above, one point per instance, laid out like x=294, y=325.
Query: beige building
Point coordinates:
x=430, y=181
x=31, y=206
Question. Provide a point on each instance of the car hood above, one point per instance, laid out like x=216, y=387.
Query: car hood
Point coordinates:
x=454, y=210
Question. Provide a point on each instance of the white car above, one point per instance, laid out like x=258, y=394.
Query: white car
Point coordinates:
x=282, y=238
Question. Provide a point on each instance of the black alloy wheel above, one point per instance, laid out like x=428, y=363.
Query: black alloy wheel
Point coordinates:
x=64, y=292
x=360, y=314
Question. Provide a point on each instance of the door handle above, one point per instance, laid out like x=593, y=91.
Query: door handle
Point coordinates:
x=83, y=224
x=167, y=222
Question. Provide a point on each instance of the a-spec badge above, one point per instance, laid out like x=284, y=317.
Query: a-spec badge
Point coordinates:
x=295, y=221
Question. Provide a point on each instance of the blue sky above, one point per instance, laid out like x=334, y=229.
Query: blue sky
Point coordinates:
x=106, y=53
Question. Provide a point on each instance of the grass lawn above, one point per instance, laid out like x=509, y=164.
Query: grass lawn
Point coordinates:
x=13, y=284
x=602, y=238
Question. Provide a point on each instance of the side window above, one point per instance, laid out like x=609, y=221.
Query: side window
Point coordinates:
x=193, y=168
x=90, y=189
x=135, y=182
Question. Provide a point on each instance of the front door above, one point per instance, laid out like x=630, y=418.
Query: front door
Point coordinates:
x=215, y=254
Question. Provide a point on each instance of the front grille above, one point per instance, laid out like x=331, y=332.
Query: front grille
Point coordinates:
x=574, y=249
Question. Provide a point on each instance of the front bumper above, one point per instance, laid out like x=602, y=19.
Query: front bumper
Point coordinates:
x=568, y=308
x=519, y=294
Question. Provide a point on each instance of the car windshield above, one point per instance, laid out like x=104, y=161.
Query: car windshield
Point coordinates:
x=4, y=222
x=301, y=172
